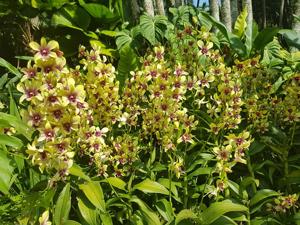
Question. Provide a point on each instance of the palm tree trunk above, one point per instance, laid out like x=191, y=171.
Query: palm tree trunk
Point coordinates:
x=226, y=14
x=248, y=4
x=281, y=12
x=214, y=9
x=135, y=9
x=160, y=7
x=148, y=7
x=179, y=3
x=234, y=10
x=296, y=23
x=264, y=19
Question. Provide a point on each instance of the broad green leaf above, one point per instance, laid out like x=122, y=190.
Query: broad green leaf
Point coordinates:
x=10, y=141
x=10, y=67
x=292, y=178
x=100, y=11
x=6, y=172
x=77, y=16
x=264, y=221
x=150, y=217
x=264, y=37
x=62, y=206
x=116, y=182
x=165, y=209
x=76, y=170
x=152, y=28
x=109, y=33
x=216, y=210
x=123, y=39
x=19, y=125
x=224, y=220
x=106, y=218
x=94, y=193
x=291, y=37
x=201, y=171
x=128, y=62
x=261, y=195
x=241, y=23
x=297, y=218
x=149, y=186
x=184, y=215
x=71, y=222
x=88, y=214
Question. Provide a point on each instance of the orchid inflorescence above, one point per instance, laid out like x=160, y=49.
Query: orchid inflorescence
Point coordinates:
x=81, y=113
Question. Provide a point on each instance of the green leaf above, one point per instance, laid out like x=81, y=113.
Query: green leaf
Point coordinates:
x=94, y=193
x=128, y=62
x=116, y=182
x=88, y=214
x=100, y=12
x=297, y=218
x=216, y=210
x=10, y=67
x=264, y=37
x=201, y=171
x=10, y=141
x=6, y=172
x=76, y=15
x=184, y=215
x=165, y=209
x=106, y=219
x=152, y=28
x=149, y=186
x=71, y=222
x=291, y=37
x=62, y=206
x=240, y=23
x=292, y=178
x=150, y=217
x=76, y=170
x=18, y=124
x=261, y=195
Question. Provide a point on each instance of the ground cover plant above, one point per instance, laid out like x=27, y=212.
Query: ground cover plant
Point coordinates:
x=203, y=130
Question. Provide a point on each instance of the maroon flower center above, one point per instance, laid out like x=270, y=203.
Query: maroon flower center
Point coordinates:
x=44, y=51
x=98, y=133
x=67, y=127
x=36, y=118
x=61, y=146
x=52, y=99
x=72, y=97
x=49, y=134
x=239, y=141
x=204, y=50
x=31, y=92
x=164, y=107
x=57, y=113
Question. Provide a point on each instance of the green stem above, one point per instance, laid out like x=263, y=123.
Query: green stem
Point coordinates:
x=250, y=169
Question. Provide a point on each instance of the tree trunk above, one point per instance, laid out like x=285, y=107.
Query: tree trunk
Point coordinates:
x=248, y=4
x=179, y=3
x=281, y=12
x=148, y=7
x=214, y=9
x=296, y=23
x=264, y=19
x=135, y=9
x=226, y=14
x=160, y=7
x=172, y=3
x=234, y=10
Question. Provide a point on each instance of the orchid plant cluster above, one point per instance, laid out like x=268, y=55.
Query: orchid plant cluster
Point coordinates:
x=179, y=92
